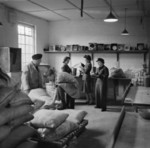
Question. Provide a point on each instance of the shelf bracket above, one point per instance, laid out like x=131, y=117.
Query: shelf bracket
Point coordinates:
x=117, y=57
x=144, y=57
x=92, y=55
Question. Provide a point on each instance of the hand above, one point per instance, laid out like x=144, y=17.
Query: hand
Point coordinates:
x=27, y=91
x=93, y=75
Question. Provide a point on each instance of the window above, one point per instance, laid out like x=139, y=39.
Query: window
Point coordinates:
x=26, y=41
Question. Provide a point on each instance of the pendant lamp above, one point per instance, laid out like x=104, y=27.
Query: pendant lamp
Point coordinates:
x=110, y=18
x=125, y=32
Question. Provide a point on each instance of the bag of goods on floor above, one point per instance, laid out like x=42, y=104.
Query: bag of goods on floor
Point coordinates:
x=15, y=111
x=117, y=73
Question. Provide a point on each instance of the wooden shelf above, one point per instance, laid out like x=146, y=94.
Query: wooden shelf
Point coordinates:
x=144, y=52
x=110, y=51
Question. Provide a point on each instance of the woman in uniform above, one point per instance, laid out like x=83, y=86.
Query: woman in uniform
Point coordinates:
x=87, y=79
x=65, y=68
x=101, y=85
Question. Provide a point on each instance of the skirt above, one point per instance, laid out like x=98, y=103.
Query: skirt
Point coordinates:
x=87, y=86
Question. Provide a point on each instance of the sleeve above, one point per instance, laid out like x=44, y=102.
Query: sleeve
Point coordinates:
x=25, y=79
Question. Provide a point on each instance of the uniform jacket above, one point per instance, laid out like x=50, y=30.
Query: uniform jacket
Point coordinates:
x=102, y=73
x=31, y=77
x=101, y=87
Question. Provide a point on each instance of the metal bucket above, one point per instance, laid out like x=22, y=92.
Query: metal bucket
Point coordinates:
x=74, y=71
x=147, y=81
x=94, y=69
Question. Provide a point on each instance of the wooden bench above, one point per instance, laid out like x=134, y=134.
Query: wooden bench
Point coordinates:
x=63, y=142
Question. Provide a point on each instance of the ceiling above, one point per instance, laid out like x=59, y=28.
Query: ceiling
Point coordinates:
x=59, y=10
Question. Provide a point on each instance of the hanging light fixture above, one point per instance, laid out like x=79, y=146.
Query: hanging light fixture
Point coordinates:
x=110, y=18
x=125, y=32
x=82, y=2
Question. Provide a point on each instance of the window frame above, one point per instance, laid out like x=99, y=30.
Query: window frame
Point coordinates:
x=25, y=44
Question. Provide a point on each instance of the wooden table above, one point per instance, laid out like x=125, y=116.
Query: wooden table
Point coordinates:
x=138, y=95
x=116, y=86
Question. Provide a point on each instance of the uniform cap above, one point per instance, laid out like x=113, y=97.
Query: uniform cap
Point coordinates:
x=101, y=60
x=37, y=56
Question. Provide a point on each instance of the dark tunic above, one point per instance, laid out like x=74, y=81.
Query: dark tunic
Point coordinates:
x=101, y=87
x=87, y=78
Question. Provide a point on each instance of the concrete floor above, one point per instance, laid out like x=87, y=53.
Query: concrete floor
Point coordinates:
x=134, y=132
x=99, y=130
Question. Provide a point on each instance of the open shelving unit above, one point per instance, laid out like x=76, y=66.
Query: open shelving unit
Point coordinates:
x=92, y=52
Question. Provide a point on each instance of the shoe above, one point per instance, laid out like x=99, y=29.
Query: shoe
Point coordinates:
x=87, y=102
x=103, y=109
x=61, y=107
x=91, y=103
x=96, y=107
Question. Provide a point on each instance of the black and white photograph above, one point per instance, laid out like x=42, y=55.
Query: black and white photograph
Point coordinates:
x=74, y=73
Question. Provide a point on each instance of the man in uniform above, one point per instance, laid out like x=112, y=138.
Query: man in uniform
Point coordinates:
x=31, y=76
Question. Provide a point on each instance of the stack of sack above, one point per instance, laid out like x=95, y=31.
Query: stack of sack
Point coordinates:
x=117, y=73
x=15, y=111
x=53, y=125
x=40, y=95
x=66, y=81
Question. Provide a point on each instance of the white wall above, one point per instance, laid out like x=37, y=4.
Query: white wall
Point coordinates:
x=78, y=32
x=87, y=31
x=9, y=30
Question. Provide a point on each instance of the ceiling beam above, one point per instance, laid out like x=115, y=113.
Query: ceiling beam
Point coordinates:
x=141, y=6
x=35, y=3
x=79, y=8
x=109, y=5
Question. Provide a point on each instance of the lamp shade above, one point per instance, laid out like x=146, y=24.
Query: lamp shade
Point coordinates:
x=125, y=32
x=110, y=18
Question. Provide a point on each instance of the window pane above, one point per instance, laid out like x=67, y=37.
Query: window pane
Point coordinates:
x=29, y=40
x=28, y=49
x=28, y=31
x=26, y=42
x=31, y=51
x=23, y=64
x=23, y=58
x=28, y=58
x=20, y=29
x=21, y=39
x=23, y=49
